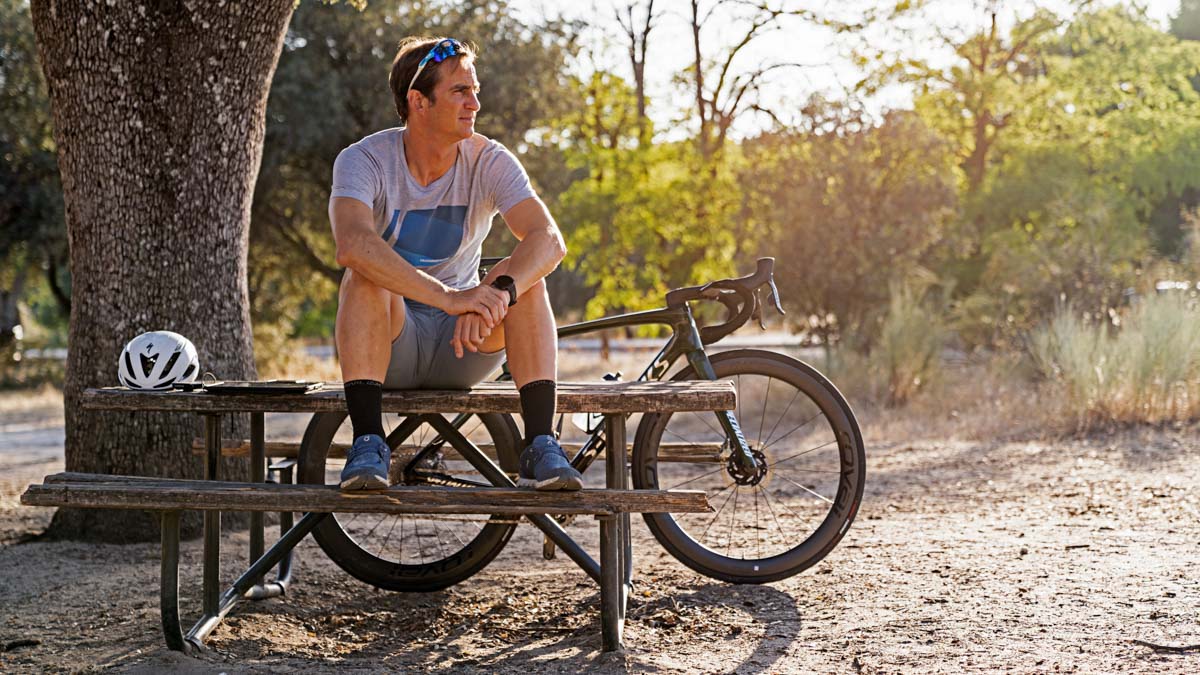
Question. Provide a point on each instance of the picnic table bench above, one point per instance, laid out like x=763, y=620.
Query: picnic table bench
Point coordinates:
x=611, y=506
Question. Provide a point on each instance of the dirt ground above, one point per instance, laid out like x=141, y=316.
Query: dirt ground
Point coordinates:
x=971, y=552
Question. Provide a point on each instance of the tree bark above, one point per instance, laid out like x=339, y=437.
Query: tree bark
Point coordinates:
x=159, y=110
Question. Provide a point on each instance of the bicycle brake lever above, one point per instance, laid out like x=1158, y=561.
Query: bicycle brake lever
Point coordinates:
x=757, y=313
x=775, y=296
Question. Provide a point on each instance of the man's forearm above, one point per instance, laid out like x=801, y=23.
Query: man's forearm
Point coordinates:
x=536, y=256
x=375, y=260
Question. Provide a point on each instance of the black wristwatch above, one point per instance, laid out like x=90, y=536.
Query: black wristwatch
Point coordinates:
x=506, y=283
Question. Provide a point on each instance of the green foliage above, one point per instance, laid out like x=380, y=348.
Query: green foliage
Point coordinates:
x=33, y=246
x=1148, y=371
x=849, y=211
x=1096, y=129
x=646, y=221
x=640, y=220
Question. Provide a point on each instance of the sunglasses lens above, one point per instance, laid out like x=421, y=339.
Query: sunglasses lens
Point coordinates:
x=444, y=51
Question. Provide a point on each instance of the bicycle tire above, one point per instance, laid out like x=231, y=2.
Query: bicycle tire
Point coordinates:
x=394, y=574
x=796, y=552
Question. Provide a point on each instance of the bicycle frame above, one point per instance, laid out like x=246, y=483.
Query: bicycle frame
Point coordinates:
x=684, y=341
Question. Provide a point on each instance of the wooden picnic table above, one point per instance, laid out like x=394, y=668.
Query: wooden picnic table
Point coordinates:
x=611, y=506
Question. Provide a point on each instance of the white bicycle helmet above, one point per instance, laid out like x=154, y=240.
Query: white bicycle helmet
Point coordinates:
x=157, y=360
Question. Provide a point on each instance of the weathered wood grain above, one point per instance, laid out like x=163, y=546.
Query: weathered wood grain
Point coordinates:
x=165, y=494
x=500, y=397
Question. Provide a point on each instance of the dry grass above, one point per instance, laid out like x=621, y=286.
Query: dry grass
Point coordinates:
x=977, y=398
x=1147, y=371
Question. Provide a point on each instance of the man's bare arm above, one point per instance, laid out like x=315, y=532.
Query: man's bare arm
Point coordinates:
x=361, y=249
x=541, y=245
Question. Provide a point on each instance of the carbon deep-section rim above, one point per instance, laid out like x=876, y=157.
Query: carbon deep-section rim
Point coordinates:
x=774, y=523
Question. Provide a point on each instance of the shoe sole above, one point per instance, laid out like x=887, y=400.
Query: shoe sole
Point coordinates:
x=366, y=481
x=557, y=483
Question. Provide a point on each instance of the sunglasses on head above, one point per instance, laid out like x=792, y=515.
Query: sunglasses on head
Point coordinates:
x=441, y=51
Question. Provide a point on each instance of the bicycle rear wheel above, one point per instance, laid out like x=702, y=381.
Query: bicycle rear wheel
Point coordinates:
x=788, y=515
x=412, y=552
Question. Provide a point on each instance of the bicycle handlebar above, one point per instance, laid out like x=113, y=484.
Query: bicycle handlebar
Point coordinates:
x=739, y=296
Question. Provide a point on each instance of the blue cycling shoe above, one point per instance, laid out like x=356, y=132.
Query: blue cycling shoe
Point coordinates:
x=544, y=466
x=367, y=464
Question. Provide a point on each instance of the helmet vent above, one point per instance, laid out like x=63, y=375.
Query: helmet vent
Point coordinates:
x=147, y=363
x=170, y=364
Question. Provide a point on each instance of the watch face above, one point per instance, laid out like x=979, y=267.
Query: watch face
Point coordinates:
x=506, y=283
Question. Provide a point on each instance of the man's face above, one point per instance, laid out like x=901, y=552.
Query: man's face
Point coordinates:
x=457, y=95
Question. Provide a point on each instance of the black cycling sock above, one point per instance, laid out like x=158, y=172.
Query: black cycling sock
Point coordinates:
x=364, y=400
x=537, y=408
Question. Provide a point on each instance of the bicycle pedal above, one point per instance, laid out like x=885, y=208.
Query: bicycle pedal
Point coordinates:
x=548, y=548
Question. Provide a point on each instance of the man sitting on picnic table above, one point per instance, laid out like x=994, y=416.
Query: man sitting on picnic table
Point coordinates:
x=410, y=207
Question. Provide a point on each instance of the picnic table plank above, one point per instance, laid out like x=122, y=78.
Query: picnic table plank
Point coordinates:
x=158, y=494
x=486, y=397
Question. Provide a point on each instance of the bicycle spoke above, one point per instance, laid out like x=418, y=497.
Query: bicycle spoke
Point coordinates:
x=708, y=424
x=693, y=480
x=732, y=520
x=373, y=528
x=794, y=430
x=783, y=504
x=781, y=417
x=718, y=513
x=757, y=527
x=682, y=438
x=437, y=532
x=383, y=547
x=802, y=453
x=455, y=535
x=815, y=494
x=767, y=501
x=766, y=400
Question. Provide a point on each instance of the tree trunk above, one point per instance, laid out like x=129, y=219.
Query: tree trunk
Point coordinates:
x=159, y=118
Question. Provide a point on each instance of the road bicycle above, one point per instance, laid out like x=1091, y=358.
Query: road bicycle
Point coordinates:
x=784, y=471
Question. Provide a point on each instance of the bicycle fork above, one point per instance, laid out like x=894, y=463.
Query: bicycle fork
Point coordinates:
x=693, y=346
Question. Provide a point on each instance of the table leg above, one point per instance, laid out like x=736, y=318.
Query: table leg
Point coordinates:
x=612, y=616
x=617, y=478
x=258, y=474
x=168, y=595
x=212, y=519
x=242, y=587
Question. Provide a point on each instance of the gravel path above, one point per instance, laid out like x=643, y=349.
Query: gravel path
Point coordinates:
x=1028, y=556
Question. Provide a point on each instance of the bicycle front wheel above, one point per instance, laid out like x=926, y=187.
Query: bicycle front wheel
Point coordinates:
x=412, y=552
x=777, y=521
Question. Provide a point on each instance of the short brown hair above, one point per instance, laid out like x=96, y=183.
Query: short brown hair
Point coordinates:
x=408, y=57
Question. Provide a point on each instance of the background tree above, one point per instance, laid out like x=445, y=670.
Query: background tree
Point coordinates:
x=1185, y=25
x=1108, y=135
x=854, y=209
x=33, y=246
x=637, y=35
x=159, y=119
